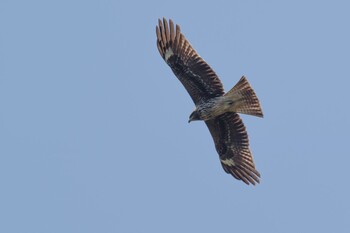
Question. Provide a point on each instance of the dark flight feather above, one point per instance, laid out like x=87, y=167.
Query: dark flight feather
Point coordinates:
x=194, y=73
x=232, y=144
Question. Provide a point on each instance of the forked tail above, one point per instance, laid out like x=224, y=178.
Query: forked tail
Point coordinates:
x=243, y=99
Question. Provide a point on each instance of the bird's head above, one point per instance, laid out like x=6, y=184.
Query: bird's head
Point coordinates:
x=194, y=116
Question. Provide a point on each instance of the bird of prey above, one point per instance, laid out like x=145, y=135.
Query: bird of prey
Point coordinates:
x=219, y=110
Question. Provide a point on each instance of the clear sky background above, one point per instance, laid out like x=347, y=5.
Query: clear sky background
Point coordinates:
x=93, y=124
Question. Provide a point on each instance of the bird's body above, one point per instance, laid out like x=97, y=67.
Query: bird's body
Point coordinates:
x=232, y=101
x=215, y=107
x=210, y=109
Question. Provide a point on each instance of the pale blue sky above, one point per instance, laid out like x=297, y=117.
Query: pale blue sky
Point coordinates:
x=93, y=124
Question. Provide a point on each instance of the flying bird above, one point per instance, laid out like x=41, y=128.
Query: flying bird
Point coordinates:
x=219, y=110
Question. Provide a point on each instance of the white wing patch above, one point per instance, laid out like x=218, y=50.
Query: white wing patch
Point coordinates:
x=168, y=53
x=228, y=162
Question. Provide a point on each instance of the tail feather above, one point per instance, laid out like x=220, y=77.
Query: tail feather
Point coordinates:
x=243, y=99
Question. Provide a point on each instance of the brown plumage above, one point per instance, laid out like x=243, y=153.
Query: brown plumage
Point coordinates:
x=217, y=109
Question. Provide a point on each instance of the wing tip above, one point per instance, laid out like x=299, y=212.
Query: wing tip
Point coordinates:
x=243, y=171
x=167, y=37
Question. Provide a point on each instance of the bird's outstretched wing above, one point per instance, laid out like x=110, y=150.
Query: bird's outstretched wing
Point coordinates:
x=195, y=74
x=232, y=144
